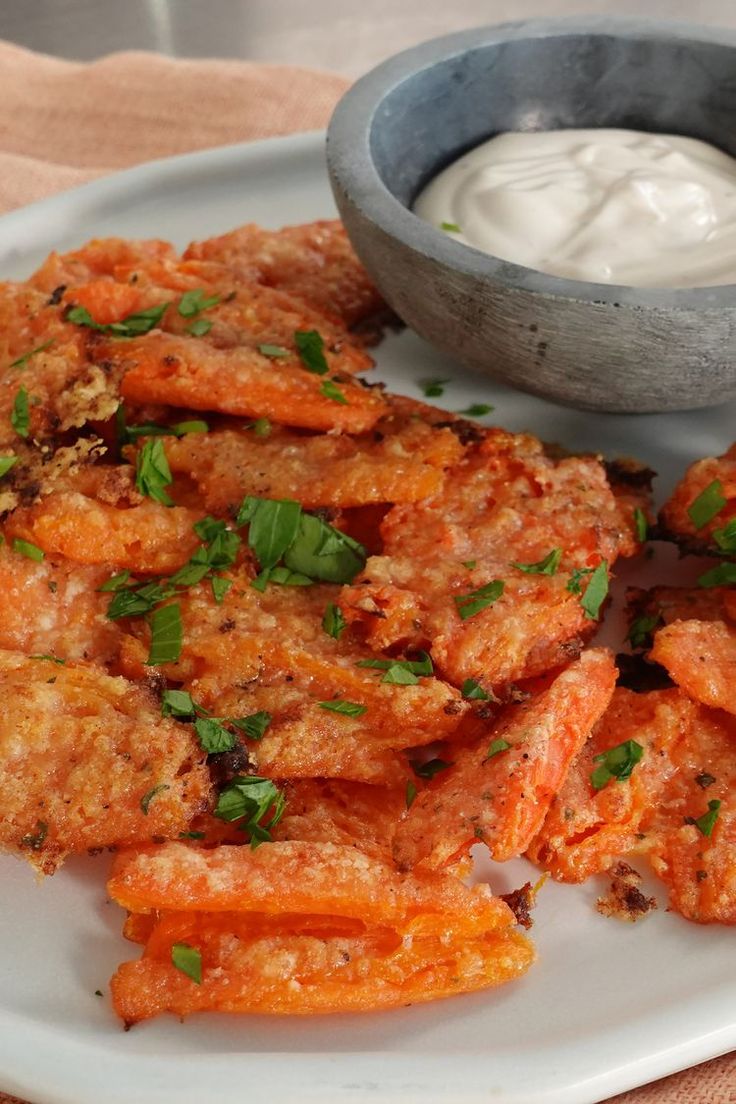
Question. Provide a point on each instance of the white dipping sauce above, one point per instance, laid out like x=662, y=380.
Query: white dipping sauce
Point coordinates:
x=610, y=206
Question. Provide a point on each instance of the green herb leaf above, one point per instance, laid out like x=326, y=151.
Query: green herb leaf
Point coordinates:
x=470, y=604
x=275, y=351
x=725, y=538
x=149, y=796
x=322, y=552
x=273, y=526
x=707, y=822
x=47, y=655
x=450, y=227
x=477, y=410
x=473, y=691
x=433, y=388
x=641, y=525
x=280, y=575
x=709, y=502
x=20, y=417
x=251, y=799
x=595, y=592
x=191, y=835
x=177, y=703
x=575, y=582
x=640, y=629
x=31, y=551
x=166, y=635
x=411, y=793
x=495, y=748
x=130, y=433
x=133, y=326
x=35, y=840
x=333, y=621
x=23, y=360
x=311, y=350
x=330, y=390
x=616, y=763
x=261, y=427
x=220, y=587
x=6, y=463
x=199, y=327
x=188, y=960
x=430, y=768
x=723, y=575
x=213, y=736
x=152, y=472
x=115, y=582
x=546, y=566
x=254, y=726
x=134, y=603
x=194, y=301
x=194, y=425
x=346, y=708
x=400, y=672
x=470, y=564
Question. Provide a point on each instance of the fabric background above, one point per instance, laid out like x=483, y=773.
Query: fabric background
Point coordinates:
x=63, y=123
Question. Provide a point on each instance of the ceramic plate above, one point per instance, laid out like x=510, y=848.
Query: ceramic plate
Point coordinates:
x=608, y=1006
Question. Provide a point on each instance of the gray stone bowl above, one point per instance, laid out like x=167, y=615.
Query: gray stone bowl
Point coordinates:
x=594, y=346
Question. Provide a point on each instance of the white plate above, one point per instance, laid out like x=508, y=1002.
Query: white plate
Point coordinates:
x=609, y=1005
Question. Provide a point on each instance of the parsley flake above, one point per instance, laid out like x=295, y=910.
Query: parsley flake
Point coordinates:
x=330, y=390
x=616, y=763
x=275, y=351
x=261, y=427
x=253, y=726
x=333, y=621
x=707, y=505
x=430, y=768
x=166, y=635
x=149, y=796
x=48, y=656
x=546, y=566
x=199, y=327
x=311, y=348
x=134, y=325
x=194, y=301
x=322, y=552
x=477, y=410
x=35, y=840
x=188, y=960
x=6, y=463
x=152, y=472
x=400, y=672
x=213, y=736
x=177, y=703
x=450, y=227
x=472, y=690
x=432, y=388
x=250, y=799
x=723, y=575
x=707, y=822
x=23, y=360
x=495, y=748
x=345, y=708
x=725, y=538
x=220, y=587
x=30, y=551
x=470, y=604
x=641, y=525
x=641, y=629
x=115, y=582
x=411, y=793
x=20, y=417
x=595, y=592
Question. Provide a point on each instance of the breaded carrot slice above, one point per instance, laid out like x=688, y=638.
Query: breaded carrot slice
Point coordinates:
x=322, y=811
x=701, y=506
x=403, y=465
x=297, y=877
x=87, y=761
x=700, y=656
x=311, y=972
x=662, y=605
x=499, y=788
x=505, y=504
x=54, y=608
x=176, y=370
x=98, y=257
x=149, y=537
x=314, y=262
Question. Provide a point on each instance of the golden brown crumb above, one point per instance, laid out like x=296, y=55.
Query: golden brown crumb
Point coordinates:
x=624, y=900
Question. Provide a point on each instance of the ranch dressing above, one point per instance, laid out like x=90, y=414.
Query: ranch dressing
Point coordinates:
x=609, y=206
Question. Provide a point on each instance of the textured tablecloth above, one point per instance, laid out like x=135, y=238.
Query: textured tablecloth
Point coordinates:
x=62, y=123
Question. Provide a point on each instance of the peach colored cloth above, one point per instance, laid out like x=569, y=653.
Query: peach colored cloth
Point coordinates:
x=62, y=123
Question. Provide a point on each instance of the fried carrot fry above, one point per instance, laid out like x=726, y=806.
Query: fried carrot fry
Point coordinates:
x=700, y=656
x=701, y=506
x=98, y=257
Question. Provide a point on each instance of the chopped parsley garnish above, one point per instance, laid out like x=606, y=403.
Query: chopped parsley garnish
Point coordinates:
x=575, y=582
x=725, y=538
x=280, y=575
x=707, y=505
x=546, y=566
x=411, y=793
x=477, y=410
x=322, y=552
x=495, y=748
x=199, y=327
x=213, y=736
x=134, y=325
x=450, y=227
x=261, y=427
x=707, y=822
x=23, y=360
x=254, y=725
x=473, y=691
x=47, y=655
x=250, y=799
x=273, y=526
x=400, y=672
x=333, y=621
x=194, y=425
x=136, y=603
x=6, y=463
x=330, y=390
x=723, y=575
x=130, y=433
x=595, y=592
x=188, y=960
x=345, y=708
x=166, y=635
x=35, y=840
x=275, y=351
x=641, y=525
x=470, y=564
x=115, y=582
x=433, y=388
x=149, y=796
x=20, y=417
x=178, y=703
x=616, y=763
x=25, y=548
x=220, y=587
x=641, y=628
x=470, y=604
x=311, y=350
x=152, y=472
x=194, y=301
x=430, y=768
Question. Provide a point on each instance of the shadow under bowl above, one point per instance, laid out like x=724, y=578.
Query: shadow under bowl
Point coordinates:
x=592, y=346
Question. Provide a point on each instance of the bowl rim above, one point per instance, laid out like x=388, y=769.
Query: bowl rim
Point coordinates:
x=353, y=171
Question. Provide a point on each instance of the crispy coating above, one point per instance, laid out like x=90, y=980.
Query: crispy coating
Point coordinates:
x=700, y=656
x=396, y=463
x=332, y=811
x=98, y=257
x=689, y=759
x=668, y=604
x=315, y=262
x=675, y=522
x=79, y=752
x=500, y=787
x=507, y=502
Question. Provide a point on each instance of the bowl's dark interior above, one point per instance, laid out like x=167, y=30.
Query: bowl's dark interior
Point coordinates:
x=546, y=83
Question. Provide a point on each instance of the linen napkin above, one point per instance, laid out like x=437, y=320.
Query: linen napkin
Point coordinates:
x=63, y=123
